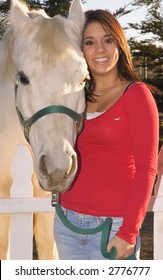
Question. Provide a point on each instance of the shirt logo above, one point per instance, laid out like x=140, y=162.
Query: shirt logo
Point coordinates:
x=117, y=119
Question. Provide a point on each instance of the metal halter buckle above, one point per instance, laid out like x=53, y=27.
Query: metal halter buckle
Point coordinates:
x=55, y=198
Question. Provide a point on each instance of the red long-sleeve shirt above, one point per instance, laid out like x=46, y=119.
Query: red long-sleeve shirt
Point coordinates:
x=118, y=161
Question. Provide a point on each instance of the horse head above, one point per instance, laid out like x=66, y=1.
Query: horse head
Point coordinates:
x=50, y=73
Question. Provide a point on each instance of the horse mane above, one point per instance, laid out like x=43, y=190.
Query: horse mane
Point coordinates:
x=6, y=47
x=6, y=56
x=46, y=38
x=52, y=39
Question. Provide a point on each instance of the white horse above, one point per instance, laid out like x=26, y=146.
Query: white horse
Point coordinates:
x=41, y=80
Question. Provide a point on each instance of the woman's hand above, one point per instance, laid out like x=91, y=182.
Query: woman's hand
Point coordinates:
x=123, y=248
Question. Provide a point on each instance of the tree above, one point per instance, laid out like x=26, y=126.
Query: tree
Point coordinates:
x=4, y=7
x=153, y=22
x=147, y=54
x=148, y=63
x=147, y=57
x=51, y=7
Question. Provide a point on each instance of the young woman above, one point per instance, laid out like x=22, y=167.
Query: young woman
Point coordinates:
x=117, y=148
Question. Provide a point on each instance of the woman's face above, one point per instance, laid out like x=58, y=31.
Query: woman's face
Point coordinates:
x=100, y=49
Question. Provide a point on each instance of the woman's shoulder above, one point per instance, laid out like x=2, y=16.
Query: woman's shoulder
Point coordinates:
x=137, y=89
x=134, y=86
x=138, y=93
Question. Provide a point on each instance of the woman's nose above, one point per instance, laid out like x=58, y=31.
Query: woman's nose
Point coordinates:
x=100, y=47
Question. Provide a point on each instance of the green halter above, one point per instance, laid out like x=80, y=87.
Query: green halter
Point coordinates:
x=78, y=118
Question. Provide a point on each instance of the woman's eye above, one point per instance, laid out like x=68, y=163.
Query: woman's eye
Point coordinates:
x=109, y=40
x=88, y=43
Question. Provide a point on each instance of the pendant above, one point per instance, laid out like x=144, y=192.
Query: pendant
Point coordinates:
x=98, y=93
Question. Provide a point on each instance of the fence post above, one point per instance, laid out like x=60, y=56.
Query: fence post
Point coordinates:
x=158, y=216
x=21, y=224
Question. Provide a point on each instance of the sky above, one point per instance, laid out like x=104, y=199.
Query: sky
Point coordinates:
x=113, y=5
x=134, y=17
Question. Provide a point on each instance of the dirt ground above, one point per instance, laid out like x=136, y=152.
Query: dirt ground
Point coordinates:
x=147, y=238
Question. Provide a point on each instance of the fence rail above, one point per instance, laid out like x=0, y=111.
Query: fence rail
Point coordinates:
x=21, y=206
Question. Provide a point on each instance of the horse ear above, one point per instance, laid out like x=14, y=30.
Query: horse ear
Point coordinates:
x=76, y=14
x=18, y=12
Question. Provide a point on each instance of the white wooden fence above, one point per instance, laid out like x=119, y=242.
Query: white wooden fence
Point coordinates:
x=21, y=206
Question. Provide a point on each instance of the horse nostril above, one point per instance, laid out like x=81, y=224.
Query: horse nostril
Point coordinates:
x=73, y=163
x=57, y=174
x=42, y=166
x=72, y=167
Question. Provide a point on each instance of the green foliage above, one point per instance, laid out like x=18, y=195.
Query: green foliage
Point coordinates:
x=52, y=7
x=147, y=55
x=153, y=22
x=148, y=62
x=4, y=7
x=56, y=7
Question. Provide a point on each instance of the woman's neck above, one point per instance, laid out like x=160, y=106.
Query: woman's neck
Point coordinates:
x=106, y=81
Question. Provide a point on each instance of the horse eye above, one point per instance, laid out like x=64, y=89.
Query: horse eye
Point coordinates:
x=23, y=78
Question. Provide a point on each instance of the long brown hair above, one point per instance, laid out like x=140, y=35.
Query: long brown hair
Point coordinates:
x=111, y=25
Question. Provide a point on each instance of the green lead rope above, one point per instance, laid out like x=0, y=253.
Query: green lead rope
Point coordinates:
x=105, y=228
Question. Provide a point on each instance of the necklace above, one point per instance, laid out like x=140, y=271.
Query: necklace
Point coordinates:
x=100, y=92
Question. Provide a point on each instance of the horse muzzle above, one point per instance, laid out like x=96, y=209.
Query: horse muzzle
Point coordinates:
x=57, y=179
